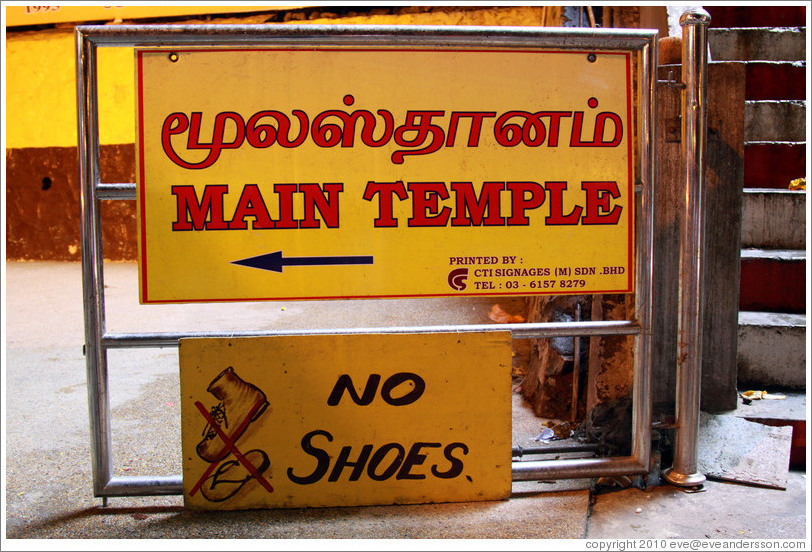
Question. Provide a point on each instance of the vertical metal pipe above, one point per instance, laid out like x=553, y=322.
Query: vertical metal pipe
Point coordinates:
x=576, y=366
x=644, y=262
x=92, y=280
x=694, y=24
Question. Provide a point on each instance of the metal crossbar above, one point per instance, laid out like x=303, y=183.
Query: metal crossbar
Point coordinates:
x=643, y=43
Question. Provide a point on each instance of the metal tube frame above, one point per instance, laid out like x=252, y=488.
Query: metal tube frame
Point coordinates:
x=694, y=24
x=643, y=43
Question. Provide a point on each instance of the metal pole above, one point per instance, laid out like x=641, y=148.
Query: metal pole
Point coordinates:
x=694, y=24
x=645, y=262
x=576, y=367
x=541, y=330
x=92, y=268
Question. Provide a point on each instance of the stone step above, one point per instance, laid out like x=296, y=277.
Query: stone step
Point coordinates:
x=775, y=80
x=775, y=121
x=773, y=280
x=774, y=219
x=757, y=16
x=773, y=164
x=790, y=411
x=757, y=43
x=771, y=350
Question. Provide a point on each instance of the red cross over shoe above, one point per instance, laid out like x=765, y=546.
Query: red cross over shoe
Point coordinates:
x=232, y=477
x=240, y=404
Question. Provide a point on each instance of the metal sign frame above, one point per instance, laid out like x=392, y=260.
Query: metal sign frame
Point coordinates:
x=98, y=341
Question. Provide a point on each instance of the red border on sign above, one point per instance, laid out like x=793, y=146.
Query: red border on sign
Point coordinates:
x=141, y=193
x=632, y=267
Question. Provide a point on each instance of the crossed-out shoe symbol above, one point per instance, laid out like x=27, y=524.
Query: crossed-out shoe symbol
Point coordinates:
x=241, y=403
x=231, y=476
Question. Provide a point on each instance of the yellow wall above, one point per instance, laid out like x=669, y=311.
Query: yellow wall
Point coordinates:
x=40, y=72
x=41, y=91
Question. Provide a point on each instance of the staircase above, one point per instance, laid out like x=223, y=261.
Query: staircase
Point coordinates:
x=772, y=299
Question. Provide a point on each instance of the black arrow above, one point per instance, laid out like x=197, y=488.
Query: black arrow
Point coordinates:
x=275, y=261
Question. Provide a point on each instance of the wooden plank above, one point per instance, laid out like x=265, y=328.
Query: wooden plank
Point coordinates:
x=723, y=201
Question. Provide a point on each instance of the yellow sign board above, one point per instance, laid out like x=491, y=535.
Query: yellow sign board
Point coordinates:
x=345, y=420
x=351, y=172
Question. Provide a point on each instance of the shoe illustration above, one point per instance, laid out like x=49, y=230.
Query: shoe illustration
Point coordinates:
x=231, y=476
x=238, y=400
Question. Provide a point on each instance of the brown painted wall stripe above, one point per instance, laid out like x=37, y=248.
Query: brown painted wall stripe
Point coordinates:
x=43, y=207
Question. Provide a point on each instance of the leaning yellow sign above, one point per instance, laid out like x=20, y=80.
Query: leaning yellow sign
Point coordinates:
x=350, y=172
x=337, y=420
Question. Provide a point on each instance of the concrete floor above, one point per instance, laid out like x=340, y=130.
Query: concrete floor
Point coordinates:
x=47, y=479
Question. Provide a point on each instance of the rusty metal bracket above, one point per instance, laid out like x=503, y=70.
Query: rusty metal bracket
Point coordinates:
x=672, y=82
